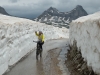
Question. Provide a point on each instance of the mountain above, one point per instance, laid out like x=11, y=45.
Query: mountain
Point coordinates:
x=53, y=17
x=2, y=11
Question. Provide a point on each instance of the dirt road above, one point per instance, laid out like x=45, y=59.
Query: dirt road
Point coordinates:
x=51, y=63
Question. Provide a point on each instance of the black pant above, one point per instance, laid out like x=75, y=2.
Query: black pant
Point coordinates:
x=40, y=44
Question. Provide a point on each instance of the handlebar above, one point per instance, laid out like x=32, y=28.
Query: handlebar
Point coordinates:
x=35, y=41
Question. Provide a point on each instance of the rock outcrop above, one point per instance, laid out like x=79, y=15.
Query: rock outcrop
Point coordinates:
x=75, y=62
x=2, y=11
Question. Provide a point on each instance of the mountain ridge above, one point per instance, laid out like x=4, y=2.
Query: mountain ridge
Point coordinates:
x=52, y=16
x=3, y=11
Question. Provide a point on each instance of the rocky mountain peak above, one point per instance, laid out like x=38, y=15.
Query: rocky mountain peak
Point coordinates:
x=2, y=11
x=53, y=16
x=79, y=6
x=52, y=10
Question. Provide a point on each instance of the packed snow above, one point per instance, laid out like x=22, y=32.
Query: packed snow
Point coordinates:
x=51, y=19
x=17, y=35
x=45, y=19
x=86, y=31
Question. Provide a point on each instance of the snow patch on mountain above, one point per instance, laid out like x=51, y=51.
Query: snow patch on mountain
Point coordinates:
x=62, y=17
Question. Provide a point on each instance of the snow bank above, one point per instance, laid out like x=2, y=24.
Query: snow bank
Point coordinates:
x=17, y=35
x=86, y=31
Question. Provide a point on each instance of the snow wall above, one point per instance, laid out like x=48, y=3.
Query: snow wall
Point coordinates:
x=16, y=38
x=86, y=32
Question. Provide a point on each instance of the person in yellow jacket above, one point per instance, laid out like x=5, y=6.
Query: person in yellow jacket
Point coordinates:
x=40, y=36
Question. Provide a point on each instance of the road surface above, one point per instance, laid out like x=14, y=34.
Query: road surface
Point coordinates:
x=51, y=63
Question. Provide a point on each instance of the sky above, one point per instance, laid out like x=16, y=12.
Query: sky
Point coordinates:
x=33, y=8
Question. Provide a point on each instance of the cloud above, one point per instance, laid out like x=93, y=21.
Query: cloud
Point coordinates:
x=13, y=1
x=23, y=11
x=36, y=7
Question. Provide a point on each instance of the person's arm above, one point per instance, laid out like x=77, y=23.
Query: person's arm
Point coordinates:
x=37, y=34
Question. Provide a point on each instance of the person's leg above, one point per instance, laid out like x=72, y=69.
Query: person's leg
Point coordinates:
x=37, y=51
x=41, y=45
x=41, y=48
x=37, y=44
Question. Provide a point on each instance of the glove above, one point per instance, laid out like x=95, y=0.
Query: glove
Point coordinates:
x=35, y=31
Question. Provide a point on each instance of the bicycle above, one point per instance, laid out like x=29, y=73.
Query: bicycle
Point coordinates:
x=38, y=50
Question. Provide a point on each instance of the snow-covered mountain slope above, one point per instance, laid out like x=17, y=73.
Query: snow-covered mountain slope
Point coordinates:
x=61, y=19
x=86, y=32
x=17, y=35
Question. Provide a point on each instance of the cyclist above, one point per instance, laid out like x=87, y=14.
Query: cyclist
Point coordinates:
x=40, y=36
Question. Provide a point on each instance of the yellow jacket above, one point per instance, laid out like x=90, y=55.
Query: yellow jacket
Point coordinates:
x=40, y=37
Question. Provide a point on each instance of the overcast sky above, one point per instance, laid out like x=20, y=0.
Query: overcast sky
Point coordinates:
x=33, y=8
